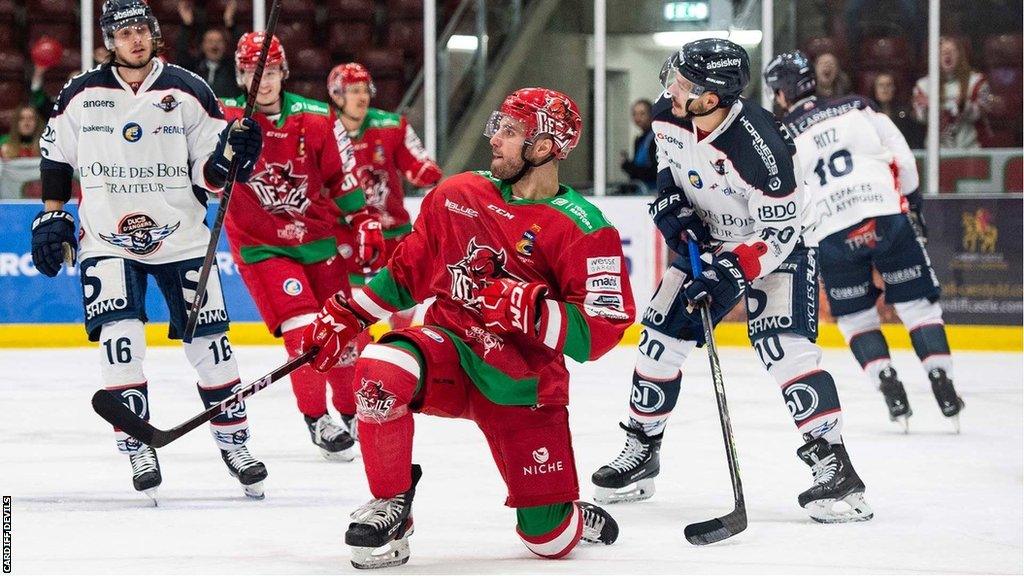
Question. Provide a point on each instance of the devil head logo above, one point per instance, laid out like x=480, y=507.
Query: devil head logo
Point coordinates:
x=481, y=266
x=280, y=190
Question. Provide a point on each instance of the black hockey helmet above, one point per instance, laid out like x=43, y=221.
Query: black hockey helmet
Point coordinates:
x=120, y=13
x=791, y=73
x=712, y=65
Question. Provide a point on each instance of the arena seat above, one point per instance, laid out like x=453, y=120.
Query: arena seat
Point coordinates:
x=65, y=33
x=295, y=35
x=12, y=94
x=405, y=9
x=308, y=88
x=389, y=93
x=383, y=62
x=1004, y=50
x=12, y=65
x=822, y=44
x=891, y=52
x=243, y=13
x=7, y=39
x=347, y=38
x=351, y=10
x=406, y=35
x=310, y=63
x=297, y=10
x=8, y=11
x=50, y=11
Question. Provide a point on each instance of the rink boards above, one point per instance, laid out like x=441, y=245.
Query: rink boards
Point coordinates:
x=975, y=246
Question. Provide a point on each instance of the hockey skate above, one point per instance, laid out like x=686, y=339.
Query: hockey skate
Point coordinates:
x=248, y=470
x=946, y=396
x=838, y=493
x=146, y=472
x=895, y=398
x=630, y=477
x=598, y=525
x=383, y=523
x=350, y=424
x=333, y=440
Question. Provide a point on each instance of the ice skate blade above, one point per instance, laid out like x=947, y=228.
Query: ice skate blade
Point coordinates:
x=346, y=455
x=254, y=491
x=641, y=490
x=394, y=553
x=852, y=508
x=904, y=422
x=151, y=494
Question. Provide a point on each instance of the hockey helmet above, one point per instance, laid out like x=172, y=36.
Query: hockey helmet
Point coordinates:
x=117, y=14
x=347, y=74
x=248, y=54
x=711, y=65
x=543, y=112
x=791, y=73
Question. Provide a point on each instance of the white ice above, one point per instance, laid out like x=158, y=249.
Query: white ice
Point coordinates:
x=944, y=503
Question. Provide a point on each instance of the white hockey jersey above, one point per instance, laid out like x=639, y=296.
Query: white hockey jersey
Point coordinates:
x=855, y=162
x=739, y=179
x=139, y=157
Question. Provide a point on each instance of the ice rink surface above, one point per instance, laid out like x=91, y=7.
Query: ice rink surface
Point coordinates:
x=944, y=503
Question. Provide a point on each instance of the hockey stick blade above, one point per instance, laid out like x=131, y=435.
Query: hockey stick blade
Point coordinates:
x=716, y=529
x=111, y=409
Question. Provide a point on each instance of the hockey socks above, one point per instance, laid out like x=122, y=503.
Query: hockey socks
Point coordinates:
x=651, y=402
x=230, y=428
x=814, y=404
x=136, y=398
x=550, y=531
x=387, y=378
x=872, y=352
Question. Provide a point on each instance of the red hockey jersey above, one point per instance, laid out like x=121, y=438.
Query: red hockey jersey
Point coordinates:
x=387, y=149
x=471, y=231
x=290, y=205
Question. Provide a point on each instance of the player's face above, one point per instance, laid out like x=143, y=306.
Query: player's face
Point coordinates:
x=688, y=98
x=506, y=148
x=270, y=84
x=133, y=44
x=357, y=100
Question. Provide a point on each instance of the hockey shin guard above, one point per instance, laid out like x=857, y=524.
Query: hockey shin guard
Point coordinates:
x=809, y=392
x=215, y=363
x=308, y=385
x=550, y=531
x=657, y=379
x=386, y=379
x=122, y=351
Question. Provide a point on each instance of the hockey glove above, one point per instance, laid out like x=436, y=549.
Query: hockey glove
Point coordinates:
x=369, y=238
x=245, y=141
x=426, y=175
x=53, y=241
x=677, y=220
x=334, y=327
x=511, y=306
x=722, y=281
x=914, y=206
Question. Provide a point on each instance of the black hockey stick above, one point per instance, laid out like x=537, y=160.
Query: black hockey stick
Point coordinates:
x=225, y=196
x=109, y=406
x=717, y=529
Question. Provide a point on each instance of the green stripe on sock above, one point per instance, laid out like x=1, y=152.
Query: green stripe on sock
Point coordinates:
x=541, y=520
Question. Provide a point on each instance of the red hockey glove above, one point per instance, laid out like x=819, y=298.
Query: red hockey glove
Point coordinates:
x=369, y=238
x=427, y=175
x=335, y=326
x=510, y=306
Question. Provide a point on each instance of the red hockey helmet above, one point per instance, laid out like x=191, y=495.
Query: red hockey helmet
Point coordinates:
x=542, y=112
x=248, y=53
x=347, y=74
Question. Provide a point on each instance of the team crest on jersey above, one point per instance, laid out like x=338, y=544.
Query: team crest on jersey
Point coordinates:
x=488, y=340
x=695, y=180
x=375, y=186
x=167, y=103
x=481, y=266
x=139, y=234
x=373, y=401
x=132, y=132
x=280, y=191
x=719, y=166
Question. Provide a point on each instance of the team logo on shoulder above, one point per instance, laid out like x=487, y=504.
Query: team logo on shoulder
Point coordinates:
x=167, y=103
x=695, y=180
x=480, y=266
x=279, y=190
x=719, y=166
x=132, y=132
x=373, y=401
x=525, y=245
x=292, y=287
x=139, y=234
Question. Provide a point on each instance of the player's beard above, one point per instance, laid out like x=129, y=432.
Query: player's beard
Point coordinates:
x=506, y=168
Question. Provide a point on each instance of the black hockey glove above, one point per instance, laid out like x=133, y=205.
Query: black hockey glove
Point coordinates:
x=51, y=233
x=677, y=220
x=246, y=143
x=914, y=205
x=721, y=281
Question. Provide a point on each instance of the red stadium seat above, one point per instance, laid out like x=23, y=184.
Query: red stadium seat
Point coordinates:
x=8, y=11
x=12, y=94
x=310, y=64
x=892, y=52
x=295, y=35
x=389, y=93
x=405, y=9
x=348, y=38
x=7, y=39
x=12, y=66
x=1004, y=50
x=351, y=10
x=70, y=61
x=406, y=35
x=164, y=11
x=65, y=33
x=243, y=14
x=383, y=62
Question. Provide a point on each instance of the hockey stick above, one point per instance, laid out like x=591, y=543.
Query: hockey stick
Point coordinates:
x=717, y=529
x=225, y=196
x=109, y=406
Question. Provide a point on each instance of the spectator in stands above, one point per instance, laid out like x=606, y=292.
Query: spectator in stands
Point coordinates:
x=644, y=165
x=38, y=98
x=964, y=98
x=832, y=81
x=216, y=63
x=23, y=139
x=883, y=91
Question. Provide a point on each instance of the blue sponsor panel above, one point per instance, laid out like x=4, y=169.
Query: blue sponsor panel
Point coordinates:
x=28, y=297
